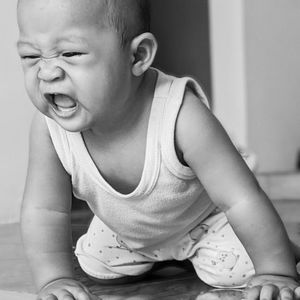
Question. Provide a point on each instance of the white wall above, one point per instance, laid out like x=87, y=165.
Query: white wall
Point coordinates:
x=15, y=117
x=272, y=43
x=228, y=67
x=255, y=46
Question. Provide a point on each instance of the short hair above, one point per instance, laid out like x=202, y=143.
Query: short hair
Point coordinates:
x=128, y=17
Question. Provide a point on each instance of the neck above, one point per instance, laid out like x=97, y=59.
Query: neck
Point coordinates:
x=132, y=114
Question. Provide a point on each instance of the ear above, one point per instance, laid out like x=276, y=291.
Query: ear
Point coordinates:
x=143, y=50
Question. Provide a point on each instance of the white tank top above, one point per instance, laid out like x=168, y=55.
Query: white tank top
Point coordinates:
x=169, y=199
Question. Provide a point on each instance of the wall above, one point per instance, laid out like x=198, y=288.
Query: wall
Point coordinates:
x=255, y=48
x=15, y=117
x=272, y=43
x=226, y=20
x=182, y=31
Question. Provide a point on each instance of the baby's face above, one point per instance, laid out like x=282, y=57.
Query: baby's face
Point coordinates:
x=75, y=70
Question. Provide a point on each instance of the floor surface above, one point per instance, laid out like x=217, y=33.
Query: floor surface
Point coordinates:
x=171, y=282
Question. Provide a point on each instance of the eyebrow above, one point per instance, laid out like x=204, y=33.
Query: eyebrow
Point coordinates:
x=23, y=43
x=70, y=39
x=73, y=39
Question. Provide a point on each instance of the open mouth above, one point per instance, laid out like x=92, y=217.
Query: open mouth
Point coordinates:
x=63, y=105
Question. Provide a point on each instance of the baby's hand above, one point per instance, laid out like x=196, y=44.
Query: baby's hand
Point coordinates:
x=269, y=287
x=65, y=289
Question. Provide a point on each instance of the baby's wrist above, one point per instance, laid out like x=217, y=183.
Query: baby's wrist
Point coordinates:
x=273, y=276
x=283, y=271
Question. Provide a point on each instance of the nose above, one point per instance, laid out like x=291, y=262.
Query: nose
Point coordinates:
x=49, y=70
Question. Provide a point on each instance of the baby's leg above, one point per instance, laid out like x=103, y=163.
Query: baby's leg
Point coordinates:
x=220, y=259
x=103, y=256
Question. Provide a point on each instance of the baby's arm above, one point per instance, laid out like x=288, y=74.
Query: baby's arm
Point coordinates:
x=45, y=217
x=206, y=148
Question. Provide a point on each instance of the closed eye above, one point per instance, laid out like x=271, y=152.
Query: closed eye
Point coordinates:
x=30, y=57
x=72, y=54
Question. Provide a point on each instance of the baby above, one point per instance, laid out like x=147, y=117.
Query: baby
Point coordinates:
x=144, y=151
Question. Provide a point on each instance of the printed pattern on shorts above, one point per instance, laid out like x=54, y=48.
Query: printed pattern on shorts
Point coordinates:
x=220, y=259
x=217, y=255
x=104, y=255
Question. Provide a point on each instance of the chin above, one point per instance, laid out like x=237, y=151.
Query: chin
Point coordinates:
x=70, y=125
x=73, y=124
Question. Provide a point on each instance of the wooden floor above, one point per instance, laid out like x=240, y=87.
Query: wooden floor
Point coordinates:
x=170, y=282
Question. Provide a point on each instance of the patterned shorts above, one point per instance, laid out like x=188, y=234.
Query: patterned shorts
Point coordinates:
x=216, y=253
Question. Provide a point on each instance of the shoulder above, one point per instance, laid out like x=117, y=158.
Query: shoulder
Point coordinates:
x=197, y=129
x=192, y=107
x=194, y=118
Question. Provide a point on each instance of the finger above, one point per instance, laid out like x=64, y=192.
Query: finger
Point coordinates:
x=269, y=292
x=286, y=294
x=94, y=297
x=82, y=295
x=297, y=293
x=87, y=291
x=252, y=293
x=65, y=295
x=49, y=297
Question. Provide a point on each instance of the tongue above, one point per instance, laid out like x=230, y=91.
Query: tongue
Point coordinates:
x=64, y=101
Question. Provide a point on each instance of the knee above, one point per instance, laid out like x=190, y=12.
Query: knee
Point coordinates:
x=226, y=272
